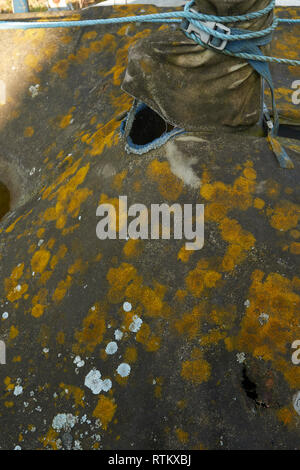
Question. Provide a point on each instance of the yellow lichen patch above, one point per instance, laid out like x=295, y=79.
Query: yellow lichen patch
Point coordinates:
x=295, y=234
x=285, y=216
x=181, y=295
x=40, y=232
x=213, y=337
x=182, y=436
x=9, y=386
x=93, y=330
x=118, y=180
x=28, y=132
x=133, y=248
x=65, y=121
x=150, y=341
x=40, y=260
x=259, y=203
x=124, y=282
x=189, y=324
x=184, y=255
x=130, y=354
x=277, y=297
x=9, y=404
x=79, y=266
x=13, y=332
x=104, y=137
x=61, y=289
x=201, y=277
x=12, y=226
x=61, y=68
x=75, y=392
x=69, y=199
x=169, y=185
x=105, y=410
x=39, y=303
x=196, y=371
x=15, y=291
x=89, y=35
x=60, y=337
x=240, y=241
x=61, y=252
x=50, y=439
x=286, y=416
x=295, y=248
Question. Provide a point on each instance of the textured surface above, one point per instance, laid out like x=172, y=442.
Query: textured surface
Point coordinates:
x=210, y=364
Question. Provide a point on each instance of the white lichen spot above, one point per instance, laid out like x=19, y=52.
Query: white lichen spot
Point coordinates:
x=106, y=385
x=124, y=369
x=111, y=348
x=5, y=315
x=241, y=357
x=263, y=318
x=32, y=171
x=40, y=242
x=64, y=421
x=296, y=402
x=118, y=335
x=136, y=324
x=18, y=448
x=45, y=350
x=18, y=288
x=18, y=390
x=94, y=382
x=78, y=361
x=247, y=303
x=34, y=90
x=127, y=307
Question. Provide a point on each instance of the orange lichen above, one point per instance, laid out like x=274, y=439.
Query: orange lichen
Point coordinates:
x=118, y=180
x=277, y=297
x=196, y=371
x=285, y=216
x=133, y=248
x=105, y=410
x=182, y=436
x=69, y=198
x=28, y=132
x=93, y=330
x=169, y=185
x=40, y=260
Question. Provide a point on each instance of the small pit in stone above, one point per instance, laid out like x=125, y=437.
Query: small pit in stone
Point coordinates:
x=4, y=200
x=251, y=389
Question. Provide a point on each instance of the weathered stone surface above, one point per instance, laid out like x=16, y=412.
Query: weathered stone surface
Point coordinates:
x=210, y=366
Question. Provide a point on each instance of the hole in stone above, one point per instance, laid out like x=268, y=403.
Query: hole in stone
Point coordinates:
x=147, y=126
x=4, y=200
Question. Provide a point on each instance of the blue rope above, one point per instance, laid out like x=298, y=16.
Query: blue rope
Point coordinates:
x=176, y=17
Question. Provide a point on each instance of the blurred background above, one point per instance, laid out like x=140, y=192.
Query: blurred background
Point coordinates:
x=43, y=5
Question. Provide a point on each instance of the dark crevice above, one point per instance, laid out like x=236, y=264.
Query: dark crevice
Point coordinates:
x=291, y=132
x=4, y=200
x=147, y=127
x=251, y=390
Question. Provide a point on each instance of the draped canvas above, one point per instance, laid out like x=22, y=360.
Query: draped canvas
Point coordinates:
x=193, y=87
